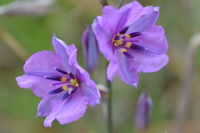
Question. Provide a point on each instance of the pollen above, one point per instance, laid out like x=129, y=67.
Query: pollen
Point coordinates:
x=65, y=88
x=63, y=79
x=118, y=42
x=123, y=50
x=127, y=36
x=74, y=82
x=128, y=44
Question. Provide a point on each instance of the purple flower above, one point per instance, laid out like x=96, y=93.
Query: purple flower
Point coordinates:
x=90, y=49
x=130, y=40
x=143, y=112
x=65, y=87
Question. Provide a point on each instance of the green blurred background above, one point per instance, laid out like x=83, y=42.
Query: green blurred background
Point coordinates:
x=21, y=36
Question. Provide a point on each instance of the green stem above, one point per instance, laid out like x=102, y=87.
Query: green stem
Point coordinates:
x=110, y=124
x=120, y=3
x=104, y=2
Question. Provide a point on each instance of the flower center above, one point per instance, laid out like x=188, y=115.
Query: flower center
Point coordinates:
x=124, y=42
x=67, y=82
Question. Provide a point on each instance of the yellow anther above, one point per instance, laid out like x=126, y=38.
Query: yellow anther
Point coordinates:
x=119, y=34
x=128, y=44
x=115, y=44
x=65, y=88
x=123, y=50
x=63, y=79
x=118, y=42
x=74, y=82
x=127, y=36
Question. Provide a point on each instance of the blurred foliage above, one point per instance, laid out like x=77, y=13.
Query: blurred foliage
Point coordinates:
x=67, y=19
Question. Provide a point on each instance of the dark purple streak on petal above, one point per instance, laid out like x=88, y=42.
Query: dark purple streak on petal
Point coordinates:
x=137, y=47
x=64, y=96
x=61, y=71
x=135, y=34
x=123, y=31
x=56, y=78
x=56, y=91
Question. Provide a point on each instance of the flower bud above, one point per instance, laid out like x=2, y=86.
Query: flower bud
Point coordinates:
x=90, y=49
x=143, y=112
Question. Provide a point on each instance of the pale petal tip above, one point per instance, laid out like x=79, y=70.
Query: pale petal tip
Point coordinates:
x=48, y=121
x=156, y=9
x=53, y=35
x=135, y=85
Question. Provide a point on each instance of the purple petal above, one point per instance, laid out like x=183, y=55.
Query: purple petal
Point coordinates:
x=134, y=13
x=149, y=16
x=128, y=13
x=88, y=87
x=91, y=93
x=123, y=17
x=104, y=39
x=38, y=85
x=50, y=107
x=154, y=40
x=90, y=49
x=128, y=75
x=66, y=53
x=73, y=109
x=45, y=106
x=148, y=62
x=115, y=19
x=65, y=111
x=42, y=63
x=112, y=70
x=109, y=19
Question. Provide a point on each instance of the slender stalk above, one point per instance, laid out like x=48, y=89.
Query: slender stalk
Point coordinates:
x=13, y=44
x=104, y=2
x=110, y=124
x=120, y=3
x=186, y=89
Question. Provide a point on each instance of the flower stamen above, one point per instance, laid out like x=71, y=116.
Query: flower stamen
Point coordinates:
x=63, y=79
x=65, y=88
x=128, y=44
x=74, y=82
x=123, y=50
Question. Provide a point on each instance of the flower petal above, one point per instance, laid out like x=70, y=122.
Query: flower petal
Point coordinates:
x=73, y=109
x=45, y=106
x=66, y=53
x=65, y=111
x=50, y=107
x=115, y=19
x=128, y=13
x=148, y=17
x=112, y=70
x=91, y=93
x=38, y=85
x=109, y=18
x=42, y=63
x=127, y=74
x=149, y=62
x=88, y=87
x=154, y=40
x=104, y=39
x=135, y=12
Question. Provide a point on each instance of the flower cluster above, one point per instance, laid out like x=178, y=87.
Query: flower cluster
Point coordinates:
x=129, y=39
